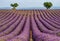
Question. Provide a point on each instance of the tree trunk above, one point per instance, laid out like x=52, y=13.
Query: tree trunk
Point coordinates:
x=14, y=8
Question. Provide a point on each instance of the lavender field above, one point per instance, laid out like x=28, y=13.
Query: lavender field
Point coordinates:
x=29, y=25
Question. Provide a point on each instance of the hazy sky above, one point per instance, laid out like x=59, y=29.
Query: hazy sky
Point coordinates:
x=28, y=3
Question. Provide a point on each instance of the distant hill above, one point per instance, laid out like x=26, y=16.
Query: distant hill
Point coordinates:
x=30, y=8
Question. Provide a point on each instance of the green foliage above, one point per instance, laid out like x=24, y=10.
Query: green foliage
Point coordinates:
x=48, y=4
x=14, y=5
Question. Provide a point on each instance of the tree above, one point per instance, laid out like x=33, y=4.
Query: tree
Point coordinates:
x=48, y=5
x=14, y=5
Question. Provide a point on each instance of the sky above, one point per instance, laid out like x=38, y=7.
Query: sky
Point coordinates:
x=28, y=3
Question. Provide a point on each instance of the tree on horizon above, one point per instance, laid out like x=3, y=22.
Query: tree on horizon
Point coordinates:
x=14, y=6
x=48, y=5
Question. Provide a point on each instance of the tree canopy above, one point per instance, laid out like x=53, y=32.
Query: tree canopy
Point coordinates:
x=14, y=5
x=48, y=5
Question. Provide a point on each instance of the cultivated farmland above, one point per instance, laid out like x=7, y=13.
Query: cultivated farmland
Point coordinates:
x=30, y=25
